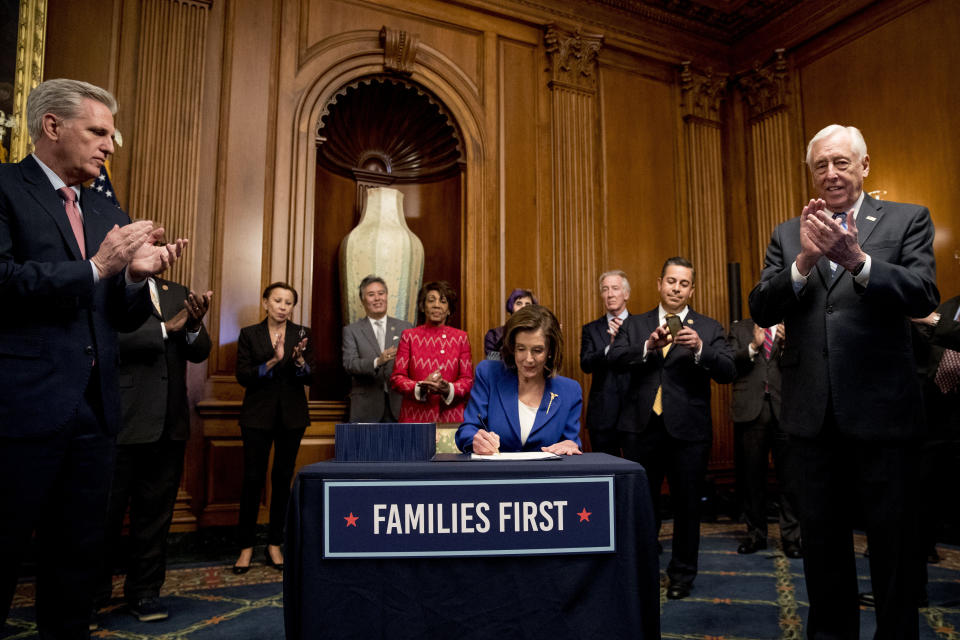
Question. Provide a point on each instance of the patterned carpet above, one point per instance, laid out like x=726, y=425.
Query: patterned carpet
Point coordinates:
x=755, y=597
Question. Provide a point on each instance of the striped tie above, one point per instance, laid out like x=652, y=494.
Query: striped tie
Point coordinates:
x=767, y=342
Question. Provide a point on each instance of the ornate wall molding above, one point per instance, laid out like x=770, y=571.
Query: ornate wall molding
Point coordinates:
x=573, y=58
x=576, y=212
x=767, y=87
x=165, y=167
x=31, y=32
x=399, y=49
x=702, y=93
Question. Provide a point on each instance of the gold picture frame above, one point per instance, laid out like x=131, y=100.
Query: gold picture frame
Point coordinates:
x=30, y=26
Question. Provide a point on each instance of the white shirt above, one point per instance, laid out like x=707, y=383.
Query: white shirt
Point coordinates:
x=528, y=416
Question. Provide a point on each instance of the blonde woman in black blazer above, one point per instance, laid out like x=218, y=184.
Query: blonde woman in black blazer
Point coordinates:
x=273, y=364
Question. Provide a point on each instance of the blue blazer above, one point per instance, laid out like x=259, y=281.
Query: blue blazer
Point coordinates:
x=493, y=402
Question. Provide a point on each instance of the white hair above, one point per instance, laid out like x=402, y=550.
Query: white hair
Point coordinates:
x=616, y=272
x=857, y=144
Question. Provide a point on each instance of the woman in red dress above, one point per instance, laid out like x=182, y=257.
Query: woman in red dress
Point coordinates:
x=433, y=368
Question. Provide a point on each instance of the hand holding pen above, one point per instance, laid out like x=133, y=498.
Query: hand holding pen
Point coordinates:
x=485, y=442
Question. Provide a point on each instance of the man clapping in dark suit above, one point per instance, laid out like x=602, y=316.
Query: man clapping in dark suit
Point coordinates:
x=610, y=381
x=673, y=353
x=152, y=441
x=369, y=349
x=756, y=428
x=72, y=273
x=845, y=277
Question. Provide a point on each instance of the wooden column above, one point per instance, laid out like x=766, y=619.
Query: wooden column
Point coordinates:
x=576, y=182
x=775, y=162
x=703, y=230
x=165, y=147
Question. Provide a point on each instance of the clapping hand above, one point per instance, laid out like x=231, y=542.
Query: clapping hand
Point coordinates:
x=298, y=353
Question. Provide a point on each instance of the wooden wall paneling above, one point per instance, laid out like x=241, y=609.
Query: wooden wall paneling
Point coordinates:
x=71, y=26
x=576, y=176
x=897, y=84
x=522, y=227
x=640, y=225
x=166, y=150
x=776, y=173
x=705, y=228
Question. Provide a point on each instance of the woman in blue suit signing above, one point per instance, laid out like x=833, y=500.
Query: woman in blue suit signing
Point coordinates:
x=520, y=403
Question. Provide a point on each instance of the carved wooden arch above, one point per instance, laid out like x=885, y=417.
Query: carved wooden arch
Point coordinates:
x=347, y=58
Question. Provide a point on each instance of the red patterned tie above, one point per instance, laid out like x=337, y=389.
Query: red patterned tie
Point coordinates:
x=73, y=214
x=767, y=342
x=948, y=373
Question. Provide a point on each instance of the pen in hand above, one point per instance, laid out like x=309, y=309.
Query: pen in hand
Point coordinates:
x=490, y=434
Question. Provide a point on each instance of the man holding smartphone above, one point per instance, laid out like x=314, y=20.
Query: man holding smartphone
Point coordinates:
x=673, y=352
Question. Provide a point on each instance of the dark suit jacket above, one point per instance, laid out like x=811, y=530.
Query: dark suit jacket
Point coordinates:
x=55, y=321
x=360, y=349
x=610, y=380
x=153, y=373
x=493, y=402
x=754, y=375
x=849, y=343
x=686, y=383
x=943, y=411
x=278, y=397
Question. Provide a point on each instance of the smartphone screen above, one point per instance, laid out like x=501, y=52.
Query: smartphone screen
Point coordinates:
x=674, y=324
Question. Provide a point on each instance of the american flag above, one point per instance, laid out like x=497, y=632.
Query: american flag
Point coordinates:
x=104, y=187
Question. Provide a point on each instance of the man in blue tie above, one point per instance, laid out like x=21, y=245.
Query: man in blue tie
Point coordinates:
x=851, y=402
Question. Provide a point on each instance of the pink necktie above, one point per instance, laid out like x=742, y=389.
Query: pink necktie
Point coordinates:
x=73, y=214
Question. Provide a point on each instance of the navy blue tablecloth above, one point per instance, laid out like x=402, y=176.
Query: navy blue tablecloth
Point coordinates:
x=608, y=595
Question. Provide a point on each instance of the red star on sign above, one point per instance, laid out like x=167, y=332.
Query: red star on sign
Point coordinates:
x=351, y=519
x=584, y=515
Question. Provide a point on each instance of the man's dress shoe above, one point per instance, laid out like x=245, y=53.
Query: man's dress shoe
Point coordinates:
x=678, y=591
x=792, y=550
x=752, y=545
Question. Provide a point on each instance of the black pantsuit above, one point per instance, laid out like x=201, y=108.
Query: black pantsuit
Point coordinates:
x=256, y=455
x=274, y=413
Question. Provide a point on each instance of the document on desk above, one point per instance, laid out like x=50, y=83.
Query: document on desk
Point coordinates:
x=517, y=455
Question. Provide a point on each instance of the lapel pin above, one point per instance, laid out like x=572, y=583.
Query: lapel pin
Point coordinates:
x=871, y=219
x=550, y=404
x=689, y=320
x=164, y=287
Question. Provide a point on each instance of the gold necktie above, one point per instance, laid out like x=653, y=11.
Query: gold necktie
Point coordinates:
x=658, y=401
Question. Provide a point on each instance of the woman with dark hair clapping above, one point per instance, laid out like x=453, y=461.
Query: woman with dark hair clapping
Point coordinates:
x=273, y=364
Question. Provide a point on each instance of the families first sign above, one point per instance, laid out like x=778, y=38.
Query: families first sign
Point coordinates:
x=443, y=518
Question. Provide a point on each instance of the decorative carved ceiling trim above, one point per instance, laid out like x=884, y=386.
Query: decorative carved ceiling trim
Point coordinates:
x=573, y=57
x=767, y=87
x=390, y=126
x=702, y=93
x=399, y=49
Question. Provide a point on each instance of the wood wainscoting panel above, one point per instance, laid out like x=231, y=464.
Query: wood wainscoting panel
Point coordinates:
x=640, y=176
x=526, y=238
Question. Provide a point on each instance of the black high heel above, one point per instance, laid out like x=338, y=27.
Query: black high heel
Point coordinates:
x=270, y=563
x=239, y=571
